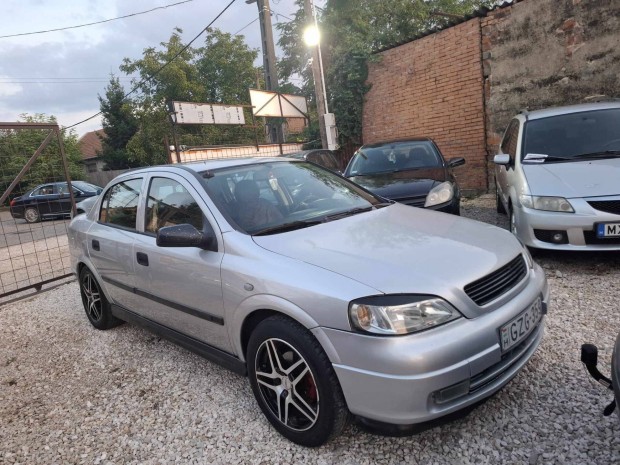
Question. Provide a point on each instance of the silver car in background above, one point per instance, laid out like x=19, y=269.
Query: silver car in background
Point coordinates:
x=558, y=177
x=332, y=301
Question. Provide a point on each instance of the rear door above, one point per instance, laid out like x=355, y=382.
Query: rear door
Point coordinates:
x=180, y=287
x=111, y=240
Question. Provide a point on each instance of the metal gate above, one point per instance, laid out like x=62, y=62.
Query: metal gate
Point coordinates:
x=36, y=202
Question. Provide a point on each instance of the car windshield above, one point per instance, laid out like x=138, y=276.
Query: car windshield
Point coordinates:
x=272, y=197
x=85, y=186
x=588, y=134
x=398, y=156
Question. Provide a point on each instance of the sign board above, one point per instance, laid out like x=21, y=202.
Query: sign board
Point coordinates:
x=275, y=104
x=207, y=113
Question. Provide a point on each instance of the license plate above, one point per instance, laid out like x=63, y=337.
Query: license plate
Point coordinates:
x=521, y=326
x=608, y=230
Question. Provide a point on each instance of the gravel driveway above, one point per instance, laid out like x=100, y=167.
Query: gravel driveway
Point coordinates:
x=72, y=394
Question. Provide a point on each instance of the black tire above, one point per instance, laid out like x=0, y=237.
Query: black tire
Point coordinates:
x=511, y=221
x=305, y=405
x=31, y=215
x=499, y=206
x=96, y=306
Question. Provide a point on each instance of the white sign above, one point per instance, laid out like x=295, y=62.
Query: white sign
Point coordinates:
x=207, y=113
x=278, y=105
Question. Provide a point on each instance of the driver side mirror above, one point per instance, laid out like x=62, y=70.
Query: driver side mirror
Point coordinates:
x=502, y=159
x=184, y=235
x=454, y=162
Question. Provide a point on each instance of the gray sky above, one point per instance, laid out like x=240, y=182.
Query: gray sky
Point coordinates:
x=61, y=73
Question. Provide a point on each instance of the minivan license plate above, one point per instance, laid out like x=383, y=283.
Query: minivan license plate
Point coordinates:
x=518, y=328
x=608, y=230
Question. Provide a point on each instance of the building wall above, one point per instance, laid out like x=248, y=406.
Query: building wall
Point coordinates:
x=545, y=53
x=474, y=77
x=433, y=87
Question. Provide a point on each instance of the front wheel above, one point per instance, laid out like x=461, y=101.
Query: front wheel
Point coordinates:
x=499, y=206
x=513, y=221
x=294, y=382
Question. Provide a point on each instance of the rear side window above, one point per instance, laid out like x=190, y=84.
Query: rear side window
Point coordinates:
x=170, y=204
x=120, y=204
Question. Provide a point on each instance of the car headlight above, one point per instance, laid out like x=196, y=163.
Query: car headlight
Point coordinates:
x=441, y=193
x=400, y=314
x=550, y=204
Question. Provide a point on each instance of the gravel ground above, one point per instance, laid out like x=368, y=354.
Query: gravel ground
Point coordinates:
x=71, y=394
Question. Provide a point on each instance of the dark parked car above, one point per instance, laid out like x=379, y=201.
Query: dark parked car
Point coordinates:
x=413, y=172
x=322, y=157
x=50, y=200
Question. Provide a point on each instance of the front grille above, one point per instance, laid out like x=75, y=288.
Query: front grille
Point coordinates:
x=609, y=206
x=497, y=283
x=418, y=201
x=591, y=239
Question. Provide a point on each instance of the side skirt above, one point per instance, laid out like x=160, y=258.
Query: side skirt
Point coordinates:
x=204, y=350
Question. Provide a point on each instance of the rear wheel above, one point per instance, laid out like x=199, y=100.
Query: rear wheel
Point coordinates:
x=294, y=382
x=96, y=305
x=31, y=215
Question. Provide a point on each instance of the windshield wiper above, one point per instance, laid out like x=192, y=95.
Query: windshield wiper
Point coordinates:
x=601, y=154
x=286, y=227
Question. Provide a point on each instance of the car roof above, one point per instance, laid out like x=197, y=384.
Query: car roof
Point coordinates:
x=564, y=110
x=396, y=141
x=212, y=164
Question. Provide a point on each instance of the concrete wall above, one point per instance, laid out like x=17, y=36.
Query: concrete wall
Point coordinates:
x=433, y=87
x=544, y=53
x=469, y=79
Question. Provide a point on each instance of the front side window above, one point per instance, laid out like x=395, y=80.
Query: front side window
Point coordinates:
x=511, y=137
x=394, y=157
x=170, y=204
x=120, y=204
x=267, y=198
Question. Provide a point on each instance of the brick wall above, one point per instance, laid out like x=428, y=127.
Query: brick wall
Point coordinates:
x=433, y=87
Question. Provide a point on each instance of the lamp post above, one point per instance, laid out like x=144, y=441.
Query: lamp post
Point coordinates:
x=312, y=39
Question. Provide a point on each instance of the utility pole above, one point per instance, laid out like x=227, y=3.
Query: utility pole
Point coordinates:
x=269, y=60
x=317, y=74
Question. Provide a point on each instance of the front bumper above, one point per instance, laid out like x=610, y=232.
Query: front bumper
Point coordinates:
x=416, y=378
x=535, y=228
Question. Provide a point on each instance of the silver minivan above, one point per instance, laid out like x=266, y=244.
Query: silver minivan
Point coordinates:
x=558, y=177
x=331, y=300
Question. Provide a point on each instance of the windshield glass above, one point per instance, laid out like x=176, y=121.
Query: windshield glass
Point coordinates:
x=396, y=156
x=572, y=135
x=85, y=186
x=276, y=196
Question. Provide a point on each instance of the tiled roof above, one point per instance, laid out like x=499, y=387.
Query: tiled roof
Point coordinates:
x=90, y=144
x=479, y=13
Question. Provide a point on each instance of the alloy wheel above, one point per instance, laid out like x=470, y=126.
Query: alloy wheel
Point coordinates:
x=287, y=384
x=92, y=297
x=31, y=215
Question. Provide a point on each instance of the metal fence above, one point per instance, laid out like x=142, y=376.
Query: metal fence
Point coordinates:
x=36, y=197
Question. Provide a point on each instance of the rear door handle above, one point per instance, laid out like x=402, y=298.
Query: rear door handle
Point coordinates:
x=143, y=259
x=95, y=244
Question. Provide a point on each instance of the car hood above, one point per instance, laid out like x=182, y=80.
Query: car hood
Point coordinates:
x=399, y=249
x=402, y=184
x=574, y=179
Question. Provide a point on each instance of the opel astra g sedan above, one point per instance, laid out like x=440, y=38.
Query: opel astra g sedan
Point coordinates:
x=558, y=177
x=332, y=301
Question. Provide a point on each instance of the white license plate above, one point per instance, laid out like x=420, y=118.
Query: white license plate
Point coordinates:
x=519, y=327
x=608, y=230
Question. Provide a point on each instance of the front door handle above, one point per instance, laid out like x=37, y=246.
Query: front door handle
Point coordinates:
x=95, y=244
x=143, y=259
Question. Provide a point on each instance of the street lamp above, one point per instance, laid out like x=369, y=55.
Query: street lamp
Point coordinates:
x=312, y=38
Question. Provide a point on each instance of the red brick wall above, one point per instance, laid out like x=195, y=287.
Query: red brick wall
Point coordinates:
x=433, y=87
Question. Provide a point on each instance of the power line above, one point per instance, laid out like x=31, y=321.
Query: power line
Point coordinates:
x=247, y=25
x=96, y=22
x=159, y=70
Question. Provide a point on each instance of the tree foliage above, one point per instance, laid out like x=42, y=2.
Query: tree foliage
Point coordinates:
x=18, y=146
x=119, y=125
x=351, y=31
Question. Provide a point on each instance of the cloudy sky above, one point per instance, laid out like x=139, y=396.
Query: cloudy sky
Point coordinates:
x=61, y=73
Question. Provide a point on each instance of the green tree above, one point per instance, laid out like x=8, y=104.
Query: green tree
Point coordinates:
x=351, y=31
x=18, y=146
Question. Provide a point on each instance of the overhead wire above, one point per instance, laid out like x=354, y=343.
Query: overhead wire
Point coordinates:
x=160, y=69
x=163, y=7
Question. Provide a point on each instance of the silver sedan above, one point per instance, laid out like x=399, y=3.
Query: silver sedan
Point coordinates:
x=558, y=177
x=332, y=301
